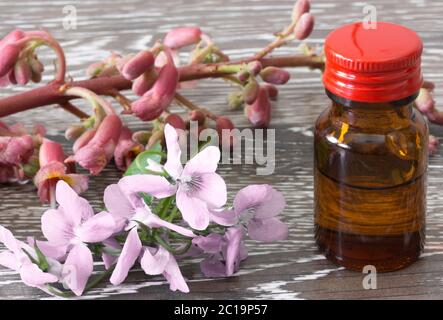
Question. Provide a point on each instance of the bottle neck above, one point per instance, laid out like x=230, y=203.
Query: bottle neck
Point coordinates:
x=389, y=115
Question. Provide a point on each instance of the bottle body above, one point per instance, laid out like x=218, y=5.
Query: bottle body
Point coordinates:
x=370, y=184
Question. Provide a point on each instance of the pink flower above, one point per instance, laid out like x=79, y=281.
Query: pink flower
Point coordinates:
x=152, y=104
x=74, y=222
x=256, y=208
x=52, y=169
x=226, y=252
x=128, y=211
x=99, y=150
x=198, y=188
x=182, y=37
x=126, y=149
x=15, y=150
x=259, y=112
x=161, y=261
x=16, y=258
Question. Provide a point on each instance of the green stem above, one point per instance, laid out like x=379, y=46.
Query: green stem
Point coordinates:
x=166, y=204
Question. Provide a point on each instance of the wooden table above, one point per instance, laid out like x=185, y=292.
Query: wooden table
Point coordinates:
x=290, y=269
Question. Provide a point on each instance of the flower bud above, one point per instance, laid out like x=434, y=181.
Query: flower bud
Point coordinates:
x=159, y=97
x=139, y=64
x=94, y=69
x=50, y=151
x=255, y=67
x=142, y=84
x=22, y=72
x=83, y=140
x=176, y=121
x=126, y=149
x=259, y=113
x=275, y=75
x=15, y=150
x=250, y=91
x=272, y=90
x=243, y=76
x=8, y=57
x=425, y=102
x=432, y=145
x=99, y=150
x=74, y=132
x=304, y=26
x=197, y=115
x=223, y=123
x=300, y=7
x=182, y=37
x=235, y=100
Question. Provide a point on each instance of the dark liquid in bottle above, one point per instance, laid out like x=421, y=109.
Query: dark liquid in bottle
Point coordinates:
x=362, y=225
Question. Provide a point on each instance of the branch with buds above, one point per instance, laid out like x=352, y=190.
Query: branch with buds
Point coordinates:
x=156, y=76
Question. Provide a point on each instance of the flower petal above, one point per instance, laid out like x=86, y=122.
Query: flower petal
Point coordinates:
x=267, y=230
x=130, y=252
x=9, y=260
x=173, y=163
x=174, y=276
x=212, y=190
x=234, y=237
x=96, y=229
x=78, y=268
x=118, y=205
x=209, y=244
x=205, y=161
x=156, y=186
x=224, y=217
x=50, y=250
x=213, y=267
x=33, y=276
x=74, y=207
x=8, y=239
x=56, y=227
x=154, y=264
x=194, y=211
x=266, y=201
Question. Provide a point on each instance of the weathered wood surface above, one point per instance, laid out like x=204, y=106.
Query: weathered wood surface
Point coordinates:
x=286, y=270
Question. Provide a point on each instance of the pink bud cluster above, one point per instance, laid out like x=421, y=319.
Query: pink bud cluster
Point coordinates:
x=18, y=66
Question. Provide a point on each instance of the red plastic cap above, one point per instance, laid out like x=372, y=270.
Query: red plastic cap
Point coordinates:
x=373, y=65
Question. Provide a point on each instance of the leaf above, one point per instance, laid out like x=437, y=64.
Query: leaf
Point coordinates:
x=138, y=166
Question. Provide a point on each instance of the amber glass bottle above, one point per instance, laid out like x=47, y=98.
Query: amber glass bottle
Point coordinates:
x=371, y=150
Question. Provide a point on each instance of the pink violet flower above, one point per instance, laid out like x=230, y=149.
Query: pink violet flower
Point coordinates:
x=197, y=186
x=256, y=208
x=161, y=261
x=96, y=153
x=128, y=210
x=226, y=252
x=53, y=169
x=74, y=222
x=16, y=259
x=182, y=37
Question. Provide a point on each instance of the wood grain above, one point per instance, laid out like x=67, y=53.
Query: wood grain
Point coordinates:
x=286, y=270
